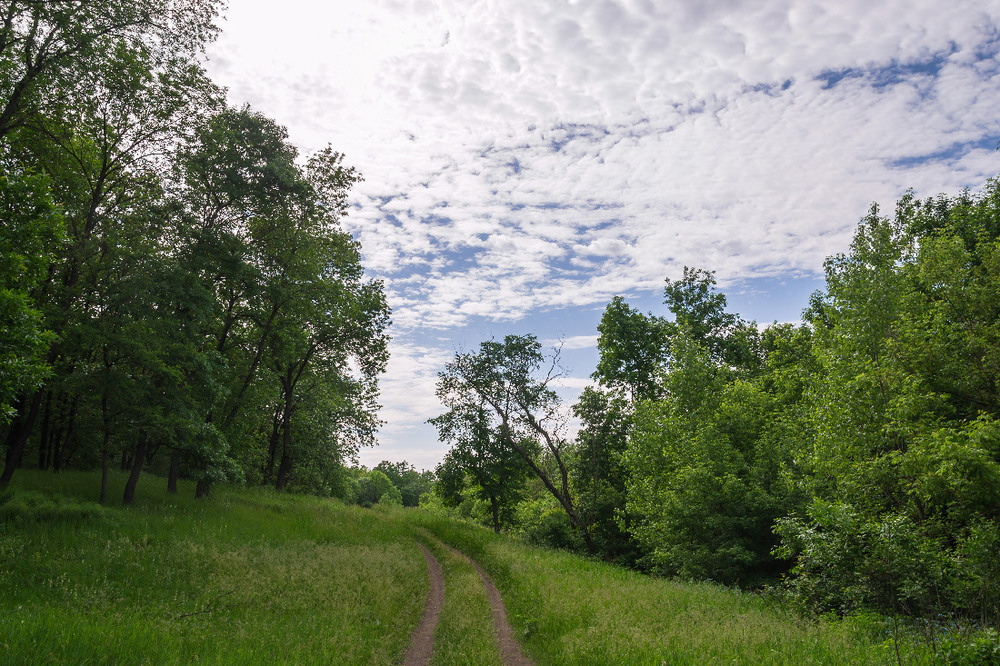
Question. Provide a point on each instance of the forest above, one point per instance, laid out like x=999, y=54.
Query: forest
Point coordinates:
x=177, y=297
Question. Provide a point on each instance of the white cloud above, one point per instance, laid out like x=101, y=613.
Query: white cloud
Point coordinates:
x=520, y=156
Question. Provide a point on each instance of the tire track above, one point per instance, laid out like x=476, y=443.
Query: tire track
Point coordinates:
x=510, y=649
x=422, y=644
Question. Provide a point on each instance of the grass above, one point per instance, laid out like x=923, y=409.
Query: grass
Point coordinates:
x=252, y=577
x=247, y=577
x=464, y=633
x=570, y=610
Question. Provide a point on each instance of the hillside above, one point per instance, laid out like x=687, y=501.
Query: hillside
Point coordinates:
x=250, y=576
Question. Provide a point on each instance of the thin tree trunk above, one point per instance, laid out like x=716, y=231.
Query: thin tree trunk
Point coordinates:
x=61, y=443
x=105, y=441
x=105, y=460
x=175, y=470
x=17, y=437
x=272, y=449
x=133, y=478
x=495, y=507
x=202, y=489
x=286, y=437
x=43, y=439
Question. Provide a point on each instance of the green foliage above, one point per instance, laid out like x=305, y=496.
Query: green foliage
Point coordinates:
x=599, y=475
x=376, y=488
x=411, y=483
x=31, y=228
x=480, y=462
x=632, y=349
x=705, y=462
x=502, y=408
x=905, y=464
x=203, y=276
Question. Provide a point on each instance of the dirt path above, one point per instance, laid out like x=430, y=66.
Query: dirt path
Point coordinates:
x=510, y=649
x=422, y=644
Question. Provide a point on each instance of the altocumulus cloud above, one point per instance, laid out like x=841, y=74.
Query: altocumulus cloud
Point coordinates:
x=525, y=156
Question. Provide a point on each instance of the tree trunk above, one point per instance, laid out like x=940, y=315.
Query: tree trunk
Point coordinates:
x=283, y=469
x=17, y=436
x=105, y=451
x=175, y=470
x=286, y=446
x=495, y=507
x=133, y=478
x=43, y=439
x=202, y=489
x=105, y=463
x=272, y=449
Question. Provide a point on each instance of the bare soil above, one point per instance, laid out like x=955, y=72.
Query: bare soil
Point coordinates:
x=422, y=644
x=510, y=649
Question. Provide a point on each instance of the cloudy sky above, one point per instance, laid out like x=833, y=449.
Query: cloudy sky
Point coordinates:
x=527, y=160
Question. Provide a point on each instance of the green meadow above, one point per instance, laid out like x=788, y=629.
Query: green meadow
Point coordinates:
x=251, y=577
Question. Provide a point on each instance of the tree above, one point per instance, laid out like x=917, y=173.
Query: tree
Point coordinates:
x=904, y=469
x=478, y=458
x=633, y=349
x=511, y=381
x=705, y=465
x=93, y=96
x=411, y=483
x=46, y=47
x=32, y=227
x=598, y=473
x=376, y=488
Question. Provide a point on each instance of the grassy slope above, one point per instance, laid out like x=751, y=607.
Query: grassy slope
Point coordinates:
x=569, y=610
x=299, y=580
x=290, y=579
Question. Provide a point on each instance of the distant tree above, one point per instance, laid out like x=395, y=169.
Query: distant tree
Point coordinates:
x=411, y=483
x=376, y=488
x=511, y=381
x=480, y=462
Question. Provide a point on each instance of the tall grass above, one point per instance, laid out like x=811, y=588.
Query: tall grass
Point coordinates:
x=245, y=577
x=252, y=577
x=571, y=610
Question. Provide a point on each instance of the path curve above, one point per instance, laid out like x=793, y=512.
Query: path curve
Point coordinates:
x=422, y=644
x=510, y=649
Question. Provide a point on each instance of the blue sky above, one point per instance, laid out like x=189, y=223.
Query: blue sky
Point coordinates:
x=525, y=162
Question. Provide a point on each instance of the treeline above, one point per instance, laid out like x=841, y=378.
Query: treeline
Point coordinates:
x=388, y=484
x=854, y=456
x=177, y=293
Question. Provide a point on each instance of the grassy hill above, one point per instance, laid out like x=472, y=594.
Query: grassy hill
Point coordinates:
x=249, y=576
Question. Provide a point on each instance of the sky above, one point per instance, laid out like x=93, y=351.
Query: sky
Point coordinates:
x=527, y=160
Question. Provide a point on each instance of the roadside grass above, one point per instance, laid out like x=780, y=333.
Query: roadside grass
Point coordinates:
x=245, y=577
x=567, y=609
x=464, y=633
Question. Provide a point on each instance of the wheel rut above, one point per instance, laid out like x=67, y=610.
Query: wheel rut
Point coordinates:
x=421, y=648
x=510, y=649
x=422, y=644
